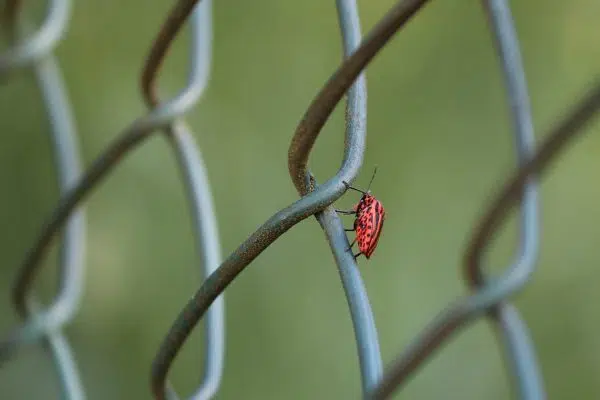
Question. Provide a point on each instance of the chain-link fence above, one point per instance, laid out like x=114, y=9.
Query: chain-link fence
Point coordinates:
x=33, y=47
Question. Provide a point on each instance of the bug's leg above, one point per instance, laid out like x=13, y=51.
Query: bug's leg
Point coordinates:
x=351, y=244
x=351, y=229
x=357, y=254
x=353, y=188
x=344, y=212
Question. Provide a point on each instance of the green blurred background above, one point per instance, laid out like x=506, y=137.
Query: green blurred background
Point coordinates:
x=439, y=130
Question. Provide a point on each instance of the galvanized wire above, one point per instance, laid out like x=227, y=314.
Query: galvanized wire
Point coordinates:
x=195, y=176
x=489, y=295
x=42, y=42
x=367, y=341
x=195, y=181
x=466, y=310
x=35, y=50
x=511, y=329
x=313, y=200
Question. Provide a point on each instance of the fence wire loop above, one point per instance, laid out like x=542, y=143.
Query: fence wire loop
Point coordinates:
x=47, y=324
x=39, y=43
x=363, y=321
x=488, y=296
x=322, y=106
x=193, y=170
x=194, y=176
x=465, y=310
x=311, y=202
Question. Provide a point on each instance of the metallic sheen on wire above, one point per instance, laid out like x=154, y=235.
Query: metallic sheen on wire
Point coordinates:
x=311, y=203
x=465, y=310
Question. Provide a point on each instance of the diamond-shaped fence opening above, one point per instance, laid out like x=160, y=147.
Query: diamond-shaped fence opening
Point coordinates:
x=32, y=48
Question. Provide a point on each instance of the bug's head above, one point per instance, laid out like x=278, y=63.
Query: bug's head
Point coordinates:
x=366, y=199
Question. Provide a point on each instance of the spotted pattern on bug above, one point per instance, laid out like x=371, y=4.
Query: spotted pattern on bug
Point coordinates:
x=370, y=216
x=368, y=224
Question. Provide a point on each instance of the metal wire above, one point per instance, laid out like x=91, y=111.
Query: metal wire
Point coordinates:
x=48, y=323
x=489, y=295
x=195, y=180
x=41, y=42
x=468, y=309
x=194, y=171
x=505, y=317
x=311, y=203
x=363, y=321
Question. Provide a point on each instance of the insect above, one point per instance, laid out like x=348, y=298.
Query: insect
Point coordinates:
x=368, y=223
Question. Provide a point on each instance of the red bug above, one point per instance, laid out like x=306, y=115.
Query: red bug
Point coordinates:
x=368, y=223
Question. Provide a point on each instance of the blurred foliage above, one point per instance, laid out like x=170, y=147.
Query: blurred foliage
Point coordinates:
x=438, y=127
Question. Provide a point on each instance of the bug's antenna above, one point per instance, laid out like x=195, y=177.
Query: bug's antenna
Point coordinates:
x=373, y=177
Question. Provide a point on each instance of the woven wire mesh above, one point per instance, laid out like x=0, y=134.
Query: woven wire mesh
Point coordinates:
x=489, y=296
